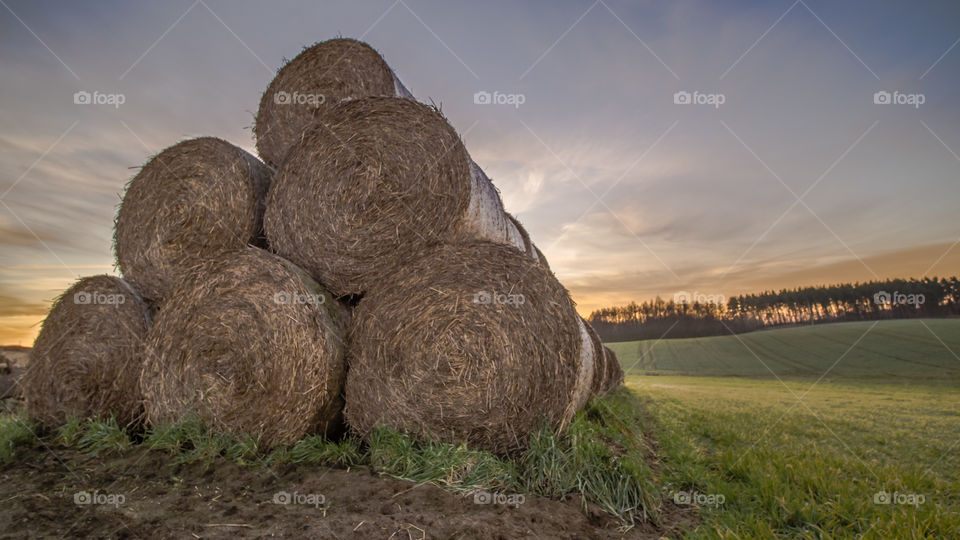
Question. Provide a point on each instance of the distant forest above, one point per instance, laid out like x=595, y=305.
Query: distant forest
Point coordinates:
x=698, y=315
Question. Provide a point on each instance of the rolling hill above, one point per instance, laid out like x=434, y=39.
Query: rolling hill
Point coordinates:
x=925, y=350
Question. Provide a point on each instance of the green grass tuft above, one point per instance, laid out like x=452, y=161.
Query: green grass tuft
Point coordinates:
x=453, y=466
x=317, y=450
x=191, y=442
x=103, y=436
x=15, y=431
x=69, y=433
x=600, y=456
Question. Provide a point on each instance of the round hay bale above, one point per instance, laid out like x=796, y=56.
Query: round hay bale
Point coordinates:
x=252, y=345
x=360, y=194
x=85, y=361
x=189, y=204
x=376, y=181
x=471, y=342
x=319, y=77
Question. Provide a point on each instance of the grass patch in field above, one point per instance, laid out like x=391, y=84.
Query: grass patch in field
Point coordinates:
x=767, y=466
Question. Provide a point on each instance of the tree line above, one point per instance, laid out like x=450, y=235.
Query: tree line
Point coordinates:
x=695, y=315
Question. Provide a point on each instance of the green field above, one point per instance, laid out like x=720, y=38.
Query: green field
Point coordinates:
x=799, y=456
x=793, y=461
x=917, y=350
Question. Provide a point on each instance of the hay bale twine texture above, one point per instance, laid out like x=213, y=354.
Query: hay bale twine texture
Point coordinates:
x=85, y=361
x=318, y=78
x=471, y=342
x=251, y=346
x=600, y=357
x=361, y=193
x=520, y=238
x=189, y=204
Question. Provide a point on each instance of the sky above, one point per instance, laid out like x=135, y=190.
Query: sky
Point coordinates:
x=785, y=168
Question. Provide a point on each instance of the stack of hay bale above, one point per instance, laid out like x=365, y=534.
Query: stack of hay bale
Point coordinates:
x=365, y=273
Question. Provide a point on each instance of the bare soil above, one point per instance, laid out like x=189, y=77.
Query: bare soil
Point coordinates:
x=227, y=500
